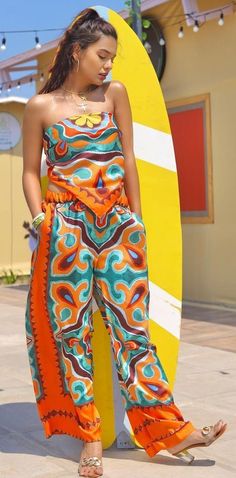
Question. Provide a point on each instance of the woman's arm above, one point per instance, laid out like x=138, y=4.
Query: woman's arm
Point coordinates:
x=32, y=150
x=123, y=116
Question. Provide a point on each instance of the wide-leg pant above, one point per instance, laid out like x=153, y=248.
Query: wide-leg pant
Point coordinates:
x=78, y=256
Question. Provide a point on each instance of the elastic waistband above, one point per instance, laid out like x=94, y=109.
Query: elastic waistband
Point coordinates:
x=63, y=196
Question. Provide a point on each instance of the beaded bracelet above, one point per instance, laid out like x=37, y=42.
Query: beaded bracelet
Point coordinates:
x=38, y=219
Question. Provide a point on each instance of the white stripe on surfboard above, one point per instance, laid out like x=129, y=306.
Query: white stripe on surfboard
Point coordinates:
x=154, y=146
x=150, y=145
x=165, y=309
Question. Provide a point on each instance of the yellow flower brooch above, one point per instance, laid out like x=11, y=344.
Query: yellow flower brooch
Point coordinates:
x=87, y=119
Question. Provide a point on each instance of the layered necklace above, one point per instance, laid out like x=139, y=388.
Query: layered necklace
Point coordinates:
x=81, y=95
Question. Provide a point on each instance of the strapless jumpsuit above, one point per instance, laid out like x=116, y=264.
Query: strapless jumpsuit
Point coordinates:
x=92, y=245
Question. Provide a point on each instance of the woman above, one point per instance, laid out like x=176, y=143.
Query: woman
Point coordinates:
x=92, y=241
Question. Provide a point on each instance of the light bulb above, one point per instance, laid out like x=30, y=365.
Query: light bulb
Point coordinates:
x=181, y=32
x=221, y=20
x=196, y=26
x=38, y=44
x=3, y=45
x=148, y=47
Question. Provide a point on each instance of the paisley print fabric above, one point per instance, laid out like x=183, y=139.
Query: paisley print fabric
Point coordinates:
x=84, y=155
x=80, y=255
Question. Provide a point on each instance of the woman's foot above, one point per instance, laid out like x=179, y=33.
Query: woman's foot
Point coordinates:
x=91, y=449
x=197, y=437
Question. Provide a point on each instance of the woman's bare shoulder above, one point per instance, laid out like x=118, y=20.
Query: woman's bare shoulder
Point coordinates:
x=114, y=86
x=114, y=90
x=37, y=103
x=117, y=85
x=36, y=108
x=118, y=91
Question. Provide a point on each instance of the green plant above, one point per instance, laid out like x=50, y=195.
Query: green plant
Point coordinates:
x=10, y=277
x=132, y=13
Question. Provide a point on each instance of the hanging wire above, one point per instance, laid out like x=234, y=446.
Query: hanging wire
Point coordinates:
x=32, y=31
x=194, y=15
x=182, y=17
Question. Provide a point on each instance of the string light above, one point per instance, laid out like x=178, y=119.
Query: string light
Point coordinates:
x=36, y=38
x=181, y=32
x=181, y=17
x=3, y=45
x=6, y=86
x=221, y=20
x=192, y=15
x=37, y=43
x=162, y=41
x=196, y=26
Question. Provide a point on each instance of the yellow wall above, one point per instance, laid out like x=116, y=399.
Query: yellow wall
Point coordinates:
x=200, y=63
x=14, y=250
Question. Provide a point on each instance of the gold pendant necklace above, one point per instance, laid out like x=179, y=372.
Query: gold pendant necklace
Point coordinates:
x=81, y=95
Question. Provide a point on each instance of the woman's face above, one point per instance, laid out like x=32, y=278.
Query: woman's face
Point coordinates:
x=96, y=61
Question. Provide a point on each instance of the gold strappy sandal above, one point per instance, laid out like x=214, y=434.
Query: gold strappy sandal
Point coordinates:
x=185, y=456
x=90, y=461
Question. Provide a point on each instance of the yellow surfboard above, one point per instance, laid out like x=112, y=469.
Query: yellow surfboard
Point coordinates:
x=154, y=152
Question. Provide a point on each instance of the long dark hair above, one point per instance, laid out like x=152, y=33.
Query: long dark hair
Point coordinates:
x=86, y=28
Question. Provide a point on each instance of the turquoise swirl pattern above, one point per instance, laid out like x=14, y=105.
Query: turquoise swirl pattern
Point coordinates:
x=80, y=255
x=84, y=155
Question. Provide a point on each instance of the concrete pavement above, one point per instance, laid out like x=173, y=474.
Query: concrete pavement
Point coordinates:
x=205, y=390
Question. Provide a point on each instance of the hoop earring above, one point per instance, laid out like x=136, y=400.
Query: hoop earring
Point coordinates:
x=77, y=69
